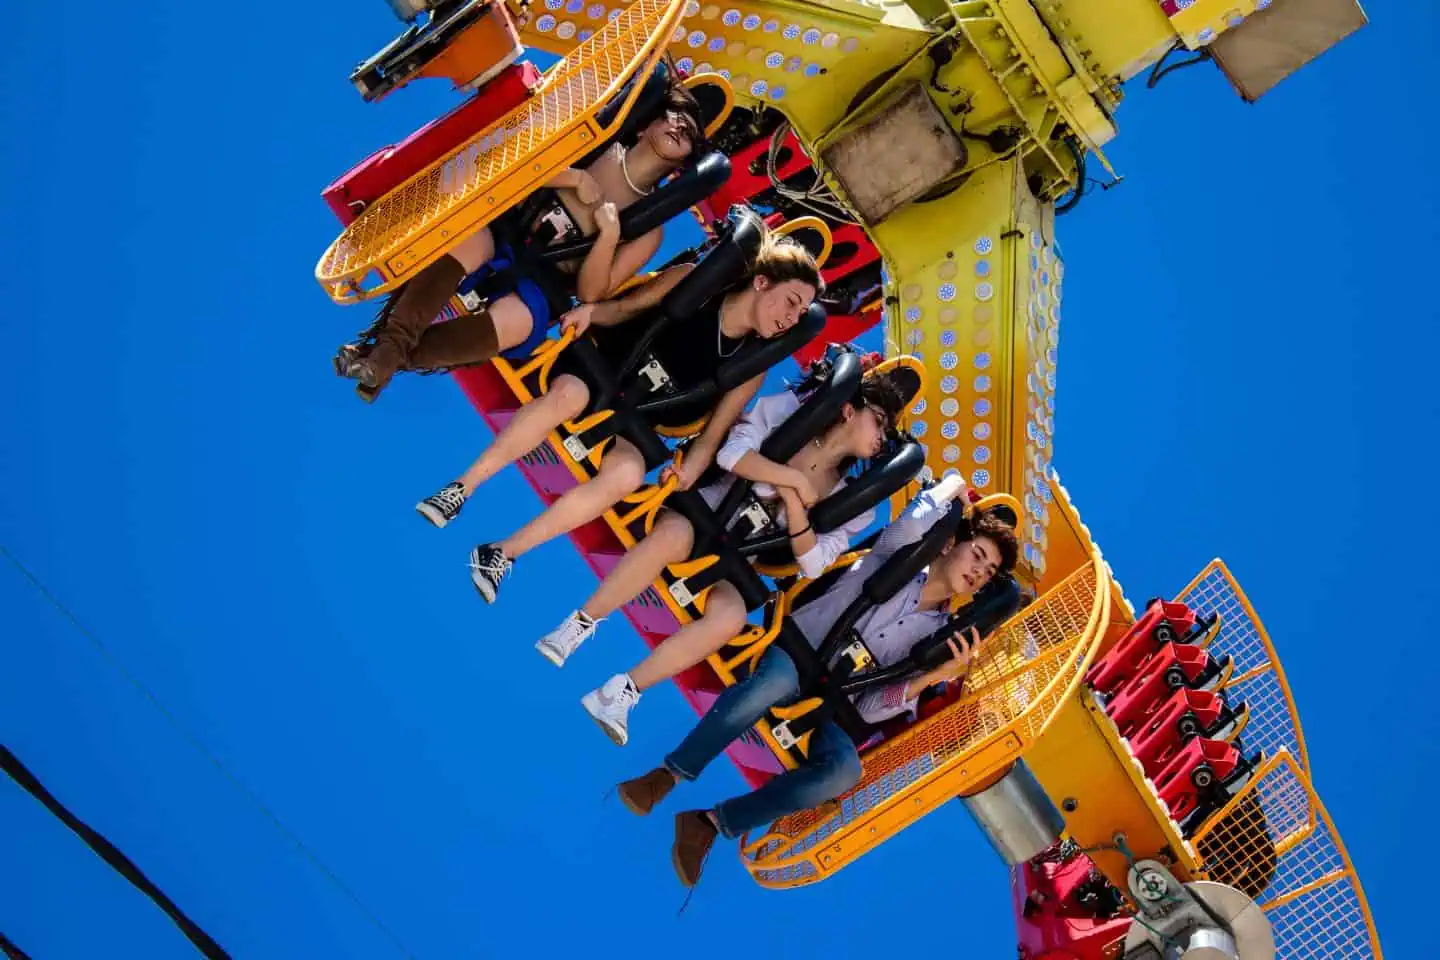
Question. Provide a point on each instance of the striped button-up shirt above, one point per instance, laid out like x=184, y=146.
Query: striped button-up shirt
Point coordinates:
x=891, y=628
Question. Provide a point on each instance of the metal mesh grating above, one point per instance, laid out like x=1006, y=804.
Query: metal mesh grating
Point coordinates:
x=1257, y=680
x=1276, y=844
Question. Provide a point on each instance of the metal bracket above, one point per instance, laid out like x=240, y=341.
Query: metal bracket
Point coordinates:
x=656, y=374
x=681, y=593
x=783, y=736
x=576, y=448
x=860, y=656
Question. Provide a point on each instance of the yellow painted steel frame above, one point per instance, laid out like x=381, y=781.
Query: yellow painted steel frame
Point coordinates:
x=418, y=221
x=1027, y=671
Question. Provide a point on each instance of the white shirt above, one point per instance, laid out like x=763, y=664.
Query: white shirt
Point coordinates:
x=748, y=433
x=891, y=628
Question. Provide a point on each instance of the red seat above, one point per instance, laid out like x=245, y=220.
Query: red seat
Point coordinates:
x=1186, y=715
x=1173, y=666
x=1161, y=623
x=1200, y=779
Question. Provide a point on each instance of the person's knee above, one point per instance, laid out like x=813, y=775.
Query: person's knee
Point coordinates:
x=625, y=469
x=675, y=535
x=775, y=684
x=839, y=772
x=570, y=395
x=725, y=610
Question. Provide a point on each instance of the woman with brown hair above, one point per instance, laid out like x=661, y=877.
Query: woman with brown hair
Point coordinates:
x=781, y=283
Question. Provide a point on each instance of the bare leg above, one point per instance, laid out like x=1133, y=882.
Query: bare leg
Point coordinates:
x=668, y=542
x=527, y=430
x=513, y=321
x=475, y=250
x=724, y=618
x=622, y=470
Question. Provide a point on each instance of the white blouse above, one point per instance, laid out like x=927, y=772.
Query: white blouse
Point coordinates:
x=748, y=433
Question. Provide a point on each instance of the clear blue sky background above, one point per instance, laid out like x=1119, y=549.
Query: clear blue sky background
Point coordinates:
x=1249, y=325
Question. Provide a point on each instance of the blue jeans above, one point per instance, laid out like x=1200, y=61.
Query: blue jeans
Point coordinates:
x=833, y=765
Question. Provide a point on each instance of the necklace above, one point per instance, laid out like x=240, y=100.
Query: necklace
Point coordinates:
x=719, y=344
x=625, y=172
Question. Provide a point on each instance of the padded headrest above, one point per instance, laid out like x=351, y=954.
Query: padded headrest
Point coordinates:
x=818, y=411
x=991, y=606
x=715, y=102
x=907, y=381
x=721, y=267
x=887, y=475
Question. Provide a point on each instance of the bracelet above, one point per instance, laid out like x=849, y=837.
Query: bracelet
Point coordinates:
x=798, y=533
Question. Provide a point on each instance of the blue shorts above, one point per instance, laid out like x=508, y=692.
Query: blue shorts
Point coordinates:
x=497, y=278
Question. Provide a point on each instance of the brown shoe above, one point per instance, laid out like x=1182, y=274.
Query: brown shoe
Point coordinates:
x=406, y=315
x=694, y=836
x=643, y=794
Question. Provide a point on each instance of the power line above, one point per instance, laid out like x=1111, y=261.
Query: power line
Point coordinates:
x=180, y=728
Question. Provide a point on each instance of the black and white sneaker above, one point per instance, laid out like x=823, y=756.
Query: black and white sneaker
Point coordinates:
x=444, y=506
x=488, y=566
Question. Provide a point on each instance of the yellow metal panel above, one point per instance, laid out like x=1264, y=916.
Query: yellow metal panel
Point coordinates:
x=1203, y=20
x=1087, y=771
x=1118, y=38
x=785, y=54
x=979, y=303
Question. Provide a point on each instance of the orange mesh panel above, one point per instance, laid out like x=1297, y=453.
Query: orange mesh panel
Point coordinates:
x=1277, y=844
x=1258, y=679
x=1024, y=672
x=573, y=88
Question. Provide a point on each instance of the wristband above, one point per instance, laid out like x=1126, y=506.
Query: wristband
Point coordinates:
x=798, y=533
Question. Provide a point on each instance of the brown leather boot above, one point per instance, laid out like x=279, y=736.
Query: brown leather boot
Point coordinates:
x=643, y=794
x=462, y=342
x=405, y=318
x=694, y=836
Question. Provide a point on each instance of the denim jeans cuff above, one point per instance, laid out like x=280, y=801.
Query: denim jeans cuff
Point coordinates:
x=670, y=764
x=725, y=831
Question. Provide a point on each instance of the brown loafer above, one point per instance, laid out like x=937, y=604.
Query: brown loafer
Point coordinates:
x=642, y=794
x=694, y=836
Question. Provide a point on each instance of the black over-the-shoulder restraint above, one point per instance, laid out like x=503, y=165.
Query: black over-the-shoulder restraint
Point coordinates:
x=995, y=603
x=889, y=471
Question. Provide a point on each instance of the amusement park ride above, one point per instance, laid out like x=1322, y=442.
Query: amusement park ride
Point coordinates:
x=1141, y=769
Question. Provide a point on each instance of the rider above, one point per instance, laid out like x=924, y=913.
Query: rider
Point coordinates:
x=586, y=202
x=782, y=282
x=818, y=470
x=889, y=630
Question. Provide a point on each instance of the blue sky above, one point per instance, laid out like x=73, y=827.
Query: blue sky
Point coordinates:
x=1242, y=374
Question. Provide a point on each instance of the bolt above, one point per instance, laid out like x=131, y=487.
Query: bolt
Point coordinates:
x=1151, y=885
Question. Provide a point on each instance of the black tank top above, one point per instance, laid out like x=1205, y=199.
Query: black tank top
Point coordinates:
x=690, y=349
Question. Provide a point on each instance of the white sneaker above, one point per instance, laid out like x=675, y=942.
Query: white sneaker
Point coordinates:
x=610, y=706
x=557, y=645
